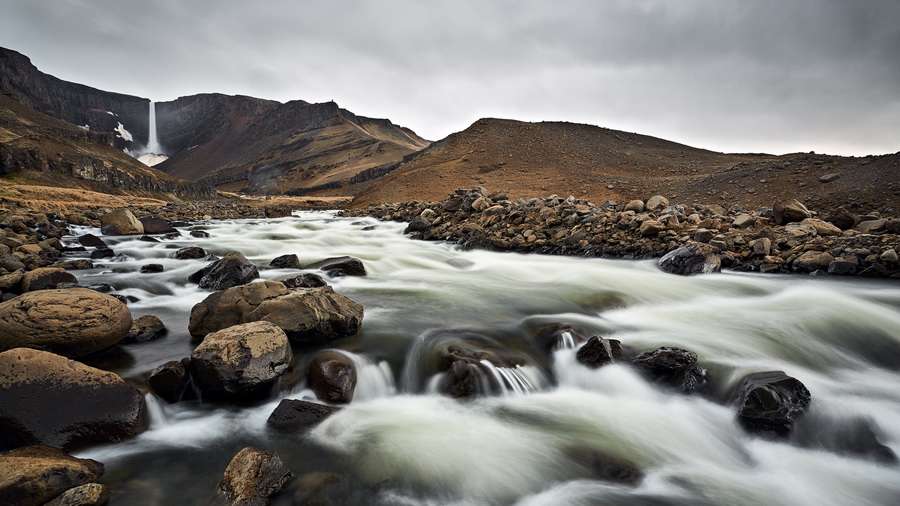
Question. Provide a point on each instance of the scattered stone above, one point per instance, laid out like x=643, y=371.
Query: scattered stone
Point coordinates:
x=49, y=399
x=285, y=262
x=100, y=253
x=813, y=260
x=665, y=361
x=231, y=270
x=311, y=315
x=120, y=222
x=635, y=205
x=308, y=280
x=296, y=414
x=145, y=328
x=200, y=234
x=252, y=477
x=889, y=256
x=693, y=258
x=790, y=212
x=339, y=266
x=89, y=494
x=34, y=475
x=769, y=402
x=332, y=376
x=655, y=203
x=598, y=351
x=171, y=380
x=46, y=278
x=827, y=178
x=418, y=224
x=190, y=253
x=152, y=268
x=92, y=241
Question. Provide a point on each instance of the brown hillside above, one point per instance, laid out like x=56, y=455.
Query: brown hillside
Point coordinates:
x=38, y=149
x=538, y=159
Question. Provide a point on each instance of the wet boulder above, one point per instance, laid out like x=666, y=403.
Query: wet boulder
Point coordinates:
x=311, y=315
x=73, y=322
x=232, y=306
x=89, y=494
x=292, y=414
x=100, y=253
x=673, y=366
x=152, y=268
x=308, y=280
x=92, y=241
x=339, y=266
x=49, y=399
x=332, y=376
x=285, y=262
x=171, y=380
x=692, y=258
x=598, y=351
x=46, y=278
x=243, y=360
x=252, y=477
x=153, y=225
x=12, y=282
x=145, y=328
x=231, y=270
x=769, y=402
x=10, y=262
x=120, y=222
x=418, y=224
x=190, y=253
x=34, y=475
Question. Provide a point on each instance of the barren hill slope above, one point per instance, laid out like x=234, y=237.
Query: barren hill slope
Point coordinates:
x=538, y=159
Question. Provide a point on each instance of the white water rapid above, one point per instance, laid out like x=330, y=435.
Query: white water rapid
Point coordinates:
x=399, y=442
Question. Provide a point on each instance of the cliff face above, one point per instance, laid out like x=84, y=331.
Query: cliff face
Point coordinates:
x=101, y=111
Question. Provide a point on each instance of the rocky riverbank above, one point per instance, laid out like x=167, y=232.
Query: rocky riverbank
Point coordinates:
x=782, y=238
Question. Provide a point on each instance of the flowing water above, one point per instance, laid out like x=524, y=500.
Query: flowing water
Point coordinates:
x=400, y=442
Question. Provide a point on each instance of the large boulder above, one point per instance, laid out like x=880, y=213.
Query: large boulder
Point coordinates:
x=311, y=315
x=46, y=278
x=790, y=212
x=49, y=399
x=339, y=266
x=692, y=258
x=153, y=225
x=34, y=475
x=120, y=222
x=295, y=414
x=191, y=252
x=73, y=322
x=89, y=494
x=252, y=477
x=231, y=270
x=241, y=360
x=599, y=351
x=290, y=261
x=769, y=402
x=674, y=366
x=91, y=240
x=232, y=306
x=332, y=376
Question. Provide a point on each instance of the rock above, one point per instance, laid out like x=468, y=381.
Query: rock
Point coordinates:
x=152, y=268
x=46, y=278
x=92, y=241
x=598, y=351
x=743, y=220
x=190, y=253
x=841, y=267
x=693, y=258
x=761, y=246
x=308, y=280
x=73, y=322
x=418, y=224
x=296, y=414
x=856, y=436
x=49, y=399
x=702, y=235
x=285, y=262
x=102, y=253
x=10, y=262
x=827, y=178
x=277, y=211
x=243, y=360
x=605, y=468
x=311, y=315
x=120, y=222
x=332, y=376
x=769, y=402
x=154, y=225
x=690, y=379
x=231, y=270
x=147, y=238
x=842, y=218
x=170, y=381
x=200, y=234
x=656, y=202
x=145, y=328
x=822, y=227
x=12, y=282
x=651, y=228
x=74, y=265
x=231, y=307
x=871, y=226
x=89, y=494
x=252, y=477
x=664, y=362
x=34, y=475
x=339, y=266
x=889, y=256
x=810, y=261
x=635, y=205
x=790, y=212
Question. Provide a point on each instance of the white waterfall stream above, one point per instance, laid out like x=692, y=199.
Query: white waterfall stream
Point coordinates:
x=399, y=442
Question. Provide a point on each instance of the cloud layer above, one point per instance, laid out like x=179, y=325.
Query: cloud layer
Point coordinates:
x=729, y=75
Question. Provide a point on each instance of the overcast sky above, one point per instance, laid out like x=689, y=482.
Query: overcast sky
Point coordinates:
x=772, y=76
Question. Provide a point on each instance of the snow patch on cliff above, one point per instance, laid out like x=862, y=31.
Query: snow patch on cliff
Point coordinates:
x=124, y=134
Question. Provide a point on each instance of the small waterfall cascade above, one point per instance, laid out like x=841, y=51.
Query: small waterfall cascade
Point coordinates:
x=155, y=411
x=517, y=380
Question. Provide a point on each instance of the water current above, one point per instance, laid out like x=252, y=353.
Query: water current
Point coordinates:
x=399, y=442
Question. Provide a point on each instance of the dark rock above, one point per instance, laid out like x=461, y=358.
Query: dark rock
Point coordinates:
x=240, y=361
x=73, y=322
x=605, y=468
x=691, y=379
x=664, y=362
x=311, y=315
x=156, y=225
x=793, y=211
x=332, y=376
x=693, y=258
x=295, y=414
x=74, y=265
x=10, y=262
x=172, y=235
x=769, y=402
x=91, y=240
x=147, y=238
x=101, y=287
x=145, y=328
x=598, y=351
x=418, y=224
x=46, y=278
x=231, y=270
x=200, y=234
x=841, y=267
x=190, y=253
x=339, y=266
x=102, y=253
x=842, y=218
x=171, y=381
x=12, y=282
x=308, y=280
x=252, y=477
x=152, y=268
x=811, y=261
x=49, y=399
x=285, y=262
x=34, y=475
x=231, y=307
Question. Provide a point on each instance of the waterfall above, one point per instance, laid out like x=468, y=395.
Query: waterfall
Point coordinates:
x=153, y=143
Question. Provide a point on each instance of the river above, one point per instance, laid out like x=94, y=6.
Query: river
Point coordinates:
x=398, y=442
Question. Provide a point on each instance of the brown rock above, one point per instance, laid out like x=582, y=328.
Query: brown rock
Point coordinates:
x=231, y=307
x=46, y=278
x=332, y=376
x=145, y=328
x=311, y=315
x=822, y=227
x=33, y=475
x=252, y=477
x=790, y=212
x=651, y=228
x=73, y=322
x=813, y=260
x=120, y=222
x=89, y=494
x=49, y=399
